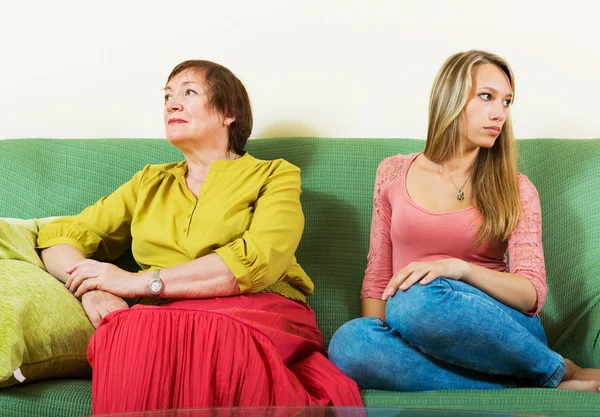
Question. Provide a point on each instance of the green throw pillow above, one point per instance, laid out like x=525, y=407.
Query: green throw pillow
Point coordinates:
x=44, y=331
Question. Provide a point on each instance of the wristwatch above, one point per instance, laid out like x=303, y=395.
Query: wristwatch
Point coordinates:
x=155, y=285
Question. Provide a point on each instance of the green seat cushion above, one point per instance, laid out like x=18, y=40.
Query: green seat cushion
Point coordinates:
x=58, y=397
x=538, y=401
x=43, y=328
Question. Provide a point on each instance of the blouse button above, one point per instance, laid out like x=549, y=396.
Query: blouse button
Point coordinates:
x=184, y=229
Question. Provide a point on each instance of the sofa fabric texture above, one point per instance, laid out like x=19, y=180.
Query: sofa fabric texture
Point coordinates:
x=51, y=177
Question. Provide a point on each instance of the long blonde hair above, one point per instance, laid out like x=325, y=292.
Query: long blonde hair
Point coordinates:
x=494, y=184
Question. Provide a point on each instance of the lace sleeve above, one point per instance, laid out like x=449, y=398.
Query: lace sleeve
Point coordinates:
x=379, y=266
x=525, y=252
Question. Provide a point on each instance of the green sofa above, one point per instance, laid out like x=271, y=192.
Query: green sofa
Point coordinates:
x=48, y=177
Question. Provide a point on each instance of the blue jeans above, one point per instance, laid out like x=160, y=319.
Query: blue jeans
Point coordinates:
x=446, y=335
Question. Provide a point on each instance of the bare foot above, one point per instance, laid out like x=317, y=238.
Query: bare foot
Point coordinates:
x=570, y=369
x=577, y=373
x=587, y=386
x=587, y=374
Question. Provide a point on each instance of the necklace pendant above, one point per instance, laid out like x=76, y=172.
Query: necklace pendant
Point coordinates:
x=460, y=196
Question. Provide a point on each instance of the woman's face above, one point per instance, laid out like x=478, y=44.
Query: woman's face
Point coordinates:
x=487, y=108
x=186, y=114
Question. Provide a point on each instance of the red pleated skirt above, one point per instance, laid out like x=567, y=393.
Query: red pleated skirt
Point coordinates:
x=246, y=350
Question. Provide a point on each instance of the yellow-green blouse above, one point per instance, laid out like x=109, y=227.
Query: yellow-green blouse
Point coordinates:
x=248, y=212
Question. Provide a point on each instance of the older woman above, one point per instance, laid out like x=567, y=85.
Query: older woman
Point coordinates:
x=217, y=232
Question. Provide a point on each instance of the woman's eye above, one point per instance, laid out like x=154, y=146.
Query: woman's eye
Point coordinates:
x=486, y=96
x=189, y=91
x=167, y=97
x=507, y=103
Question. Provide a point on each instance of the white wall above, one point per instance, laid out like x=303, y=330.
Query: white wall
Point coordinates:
x=347, y=68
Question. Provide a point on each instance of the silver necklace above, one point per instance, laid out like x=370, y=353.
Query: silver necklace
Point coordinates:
x=460, y=195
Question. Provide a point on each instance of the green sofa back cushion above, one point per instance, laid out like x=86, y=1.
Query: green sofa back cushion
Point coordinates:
x=43, y=328
x=46, y=177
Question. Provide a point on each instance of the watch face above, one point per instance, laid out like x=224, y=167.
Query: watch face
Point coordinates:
x=155, y=286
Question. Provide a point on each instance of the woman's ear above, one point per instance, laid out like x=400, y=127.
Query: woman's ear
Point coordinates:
x=227, y=121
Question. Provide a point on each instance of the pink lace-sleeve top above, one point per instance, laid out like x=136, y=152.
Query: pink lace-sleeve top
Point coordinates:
x=404, y=232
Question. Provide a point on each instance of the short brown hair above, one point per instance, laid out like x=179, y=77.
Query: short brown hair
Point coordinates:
x=226, y=95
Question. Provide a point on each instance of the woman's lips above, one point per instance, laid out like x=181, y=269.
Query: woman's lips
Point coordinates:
x=493, y=129
x=176, y=121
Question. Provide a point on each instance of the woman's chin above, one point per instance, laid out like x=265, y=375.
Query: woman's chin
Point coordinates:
x=486, y=142
x=178, y=139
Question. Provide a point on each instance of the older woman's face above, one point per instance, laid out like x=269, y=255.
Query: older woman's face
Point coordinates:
x=186, y=114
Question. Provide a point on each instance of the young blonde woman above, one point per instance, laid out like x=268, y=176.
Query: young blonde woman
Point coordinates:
x=441, y=307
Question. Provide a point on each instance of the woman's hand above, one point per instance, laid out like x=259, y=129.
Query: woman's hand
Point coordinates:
x=425, y=272
x=90, y=275
x=98, y=304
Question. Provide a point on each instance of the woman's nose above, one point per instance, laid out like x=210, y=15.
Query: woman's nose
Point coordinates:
x=498, y=112
x=173, y=105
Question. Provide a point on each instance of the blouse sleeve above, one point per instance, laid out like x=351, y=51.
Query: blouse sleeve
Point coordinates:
x=525, y=251
x=379, y=265
x=262, y=254
x=101, y=231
